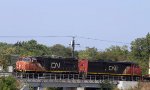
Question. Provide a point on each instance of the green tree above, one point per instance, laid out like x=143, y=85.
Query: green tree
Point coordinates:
x=106, y=85
x=8, y=83
x=89, y=53
x=31, y=48
x=5, y=51
x=140, y=51
x=60, y=50
x=116, y=53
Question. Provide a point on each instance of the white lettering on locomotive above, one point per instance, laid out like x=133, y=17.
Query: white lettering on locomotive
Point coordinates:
x=55, y=65
x=113, y=68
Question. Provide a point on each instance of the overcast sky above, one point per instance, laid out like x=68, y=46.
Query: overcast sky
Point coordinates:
x=108, y=20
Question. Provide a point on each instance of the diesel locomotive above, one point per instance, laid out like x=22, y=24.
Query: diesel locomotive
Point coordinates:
x=75, y=66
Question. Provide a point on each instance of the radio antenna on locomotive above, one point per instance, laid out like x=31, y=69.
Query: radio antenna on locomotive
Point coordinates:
x=73, y=46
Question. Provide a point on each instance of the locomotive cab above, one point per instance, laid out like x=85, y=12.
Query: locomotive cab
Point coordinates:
x=28, y=64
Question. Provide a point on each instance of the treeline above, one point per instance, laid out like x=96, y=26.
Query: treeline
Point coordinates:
x=138, y=52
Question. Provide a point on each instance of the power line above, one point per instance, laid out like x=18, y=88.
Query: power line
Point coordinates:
x=49, y=36
x=31, y=36
x=109, y=41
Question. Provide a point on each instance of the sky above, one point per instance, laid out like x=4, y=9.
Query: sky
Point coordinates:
x=104, y=20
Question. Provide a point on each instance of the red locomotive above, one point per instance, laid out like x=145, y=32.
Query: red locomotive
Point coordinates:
x=70, y=65
x=28, y=64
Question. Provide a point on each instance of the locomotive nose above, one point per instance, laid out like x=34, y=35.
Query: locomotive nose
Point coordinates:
x=83, y=66
x=138, y=71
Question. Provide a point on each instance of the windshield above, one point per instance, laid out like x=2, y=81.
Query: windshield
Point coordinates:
x=27, y=59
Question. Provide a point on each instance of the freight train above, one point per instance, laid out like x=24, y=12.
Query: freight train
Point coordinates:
x=75, y=66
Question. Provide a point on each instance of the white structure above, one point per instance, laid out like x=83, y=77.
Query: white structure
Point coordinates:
x=10, y=68
x=80, y=88
x=126, y=85
x=1, y=68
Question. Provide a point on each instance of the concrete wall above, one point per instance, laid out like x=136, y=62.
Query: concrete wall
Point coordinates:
x=125, y=85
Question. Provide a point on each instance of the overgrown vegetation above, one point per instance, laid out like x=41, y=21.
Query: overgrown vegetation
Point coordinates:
x=8, y=83
x=106, y=85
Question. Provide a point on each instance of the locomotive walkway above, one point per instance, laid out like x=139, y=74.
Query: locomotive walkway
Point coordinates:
x=68, y=80
x=64, y=80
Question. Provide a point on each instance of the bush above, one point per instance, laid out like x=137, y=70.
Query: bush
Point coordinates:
x=8, y=83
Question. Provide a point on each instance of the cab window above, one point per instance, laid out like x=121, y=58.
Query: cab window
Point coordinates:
x=27, y=59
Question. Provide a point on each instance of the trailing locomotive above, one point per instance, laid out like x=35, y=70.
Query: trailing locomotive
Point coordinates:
x=70, y=65
x=113, y=68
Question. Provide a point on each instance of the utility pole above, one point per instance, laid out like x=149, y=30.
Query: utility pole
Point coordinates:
x=149, y=67
x=148, y=47
x=73, y=46
x=148, y=61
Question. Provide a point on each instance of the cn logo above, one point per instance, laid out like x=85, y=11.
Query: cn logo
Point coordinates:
x=113, y=68
x=55, y=65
